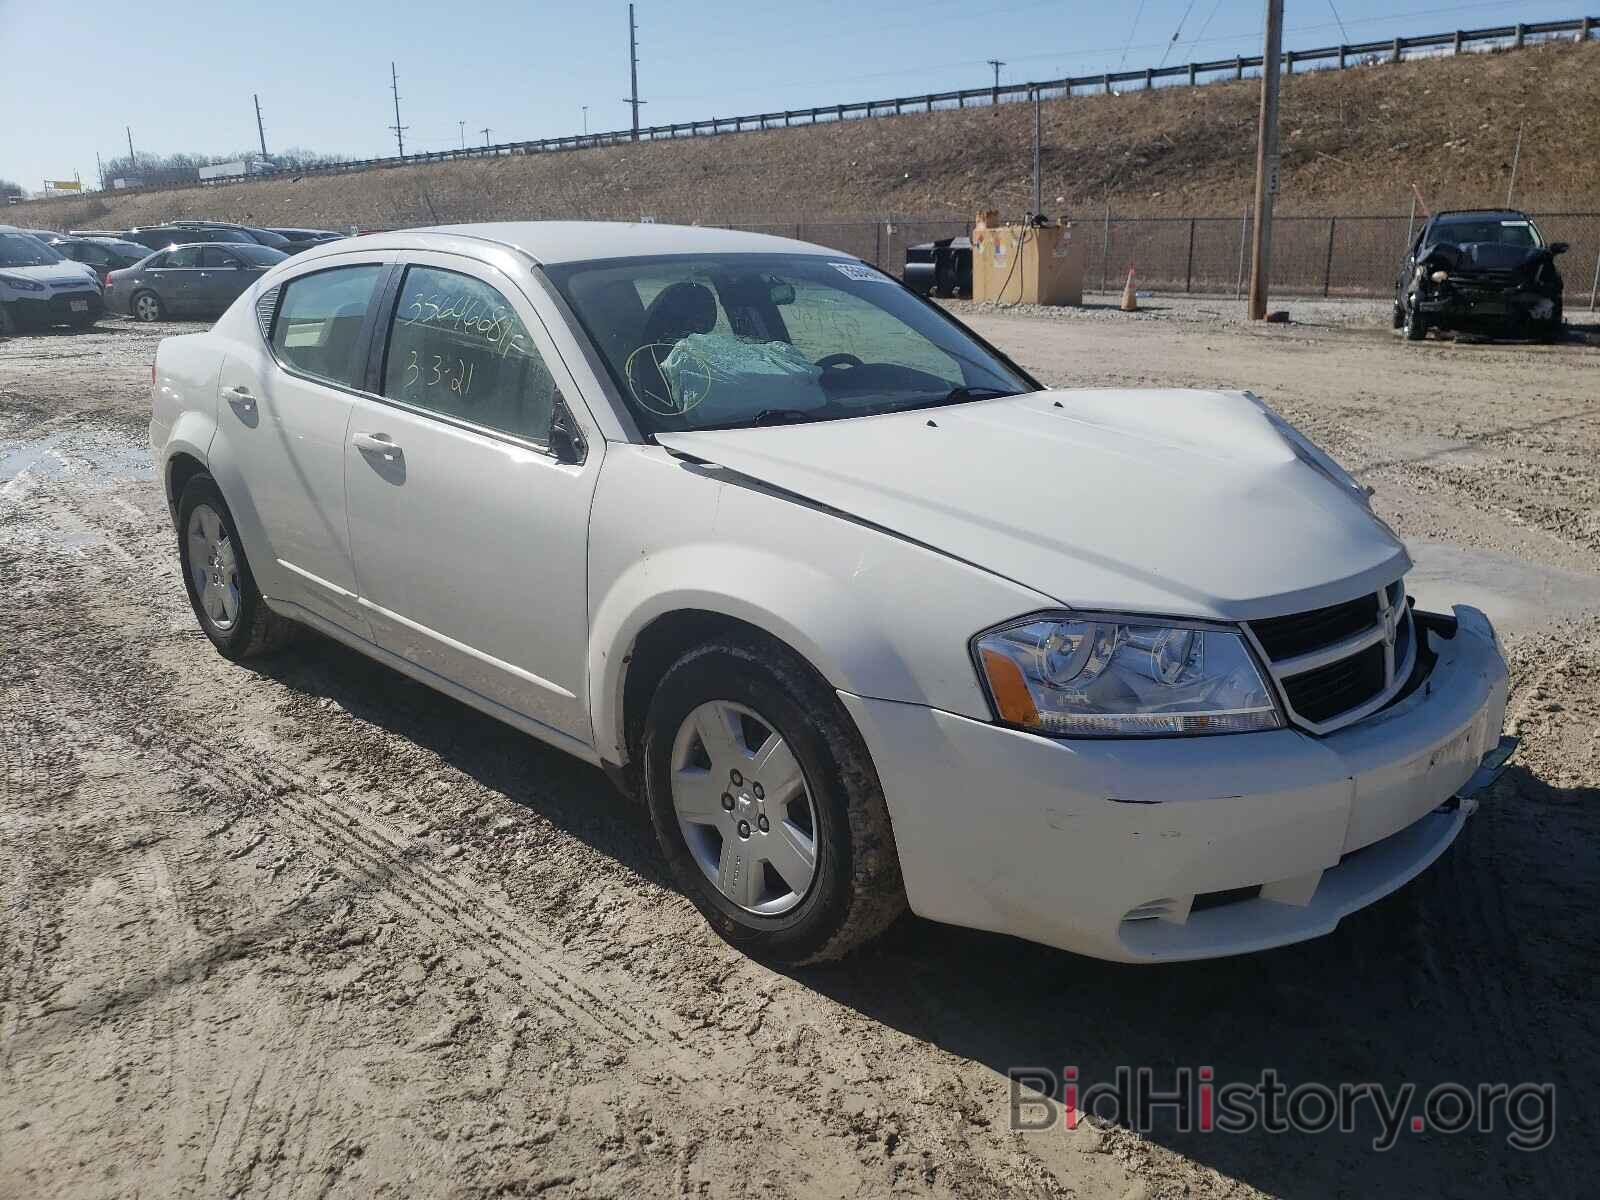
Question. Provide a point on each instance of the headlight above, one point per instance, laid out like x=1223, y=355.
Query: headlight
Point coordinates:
x=1108, y=676
x=21, y=284
x=1439, y=276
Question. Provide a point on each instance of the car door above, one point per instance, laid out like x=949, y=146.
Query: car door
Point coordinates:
x=469, y=533
x=222, y=277
x=176, y=281
x=287, y=396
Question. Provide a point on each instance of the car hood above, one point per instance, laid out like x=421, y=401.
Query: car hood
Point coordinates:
x=61, y=274
x=1186, y=503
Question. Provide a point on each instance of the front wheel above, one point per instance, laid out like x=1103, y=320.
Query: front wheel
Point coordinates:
x=1416, y=324
x=766, y=804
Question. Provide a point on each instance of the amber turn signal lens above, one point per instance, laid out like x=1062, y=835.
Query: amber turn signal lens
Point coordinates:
x=1010, y=690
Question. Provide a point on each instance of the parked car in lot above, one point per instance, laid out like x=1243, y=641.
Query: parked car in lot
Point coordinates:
x=40, y=288
x=102, y=255
x=188, y=281
x=262, y=237
x=1482, y=271
x=866, y=614
x=164, y=237
x=304, y=239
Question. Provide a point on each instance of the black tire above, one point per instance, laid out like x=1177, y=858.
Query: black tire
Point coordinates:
x=158, y=313
x=1399, y=316
x=1551, y=330
x=856, y=891
x=1415, y=323
x=256, y=629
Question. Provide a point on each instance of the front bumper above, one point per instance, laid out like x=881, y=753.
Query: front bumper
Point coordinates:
x=57, y=309
x=1488, y=305
x=1165, y=849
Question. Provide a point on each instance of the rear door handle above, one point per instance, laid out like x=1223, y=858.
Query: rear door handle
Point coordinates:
x=377, y=443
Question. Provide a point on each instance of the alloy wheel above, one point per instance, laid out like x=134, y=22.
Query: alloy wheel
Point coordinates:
x=214, y=567
x=744, y=807
x=146, y=307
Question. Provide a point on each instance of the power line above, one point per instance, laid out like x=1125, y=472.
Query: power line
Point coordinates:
x=1342, y=34
x=1132, y=29
x=1176, y=34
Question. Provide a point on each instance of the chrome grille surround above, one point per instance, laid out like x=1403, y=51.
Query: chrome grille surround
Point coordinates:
x=1391, y=628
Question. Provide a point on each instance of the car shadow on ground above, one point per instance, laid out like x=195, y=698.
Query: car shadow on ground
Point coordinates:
x=1451, y=979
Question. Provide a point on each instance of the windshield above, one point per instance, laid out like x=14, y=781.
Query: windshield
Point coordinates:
x=22, y=250
x=713, y=341
x=260, y=256
x=1505, y=231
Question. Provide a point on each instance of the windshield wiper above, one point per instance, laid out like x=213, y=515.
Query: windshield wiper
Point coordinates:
x=782, y=416
x=956, y=395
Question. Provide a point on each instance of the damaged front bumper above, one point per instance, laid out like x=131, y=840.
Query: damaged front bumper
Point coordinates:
x=1182, y=848
x=1451, y=304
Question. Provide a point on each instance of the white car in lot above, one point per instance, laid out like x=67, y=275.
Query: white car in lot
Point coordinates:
x=866, y=615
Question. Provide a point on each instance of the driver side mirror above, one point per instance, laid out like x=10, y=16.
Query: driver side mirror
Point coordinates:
x=1559, y=247
x=565, y=438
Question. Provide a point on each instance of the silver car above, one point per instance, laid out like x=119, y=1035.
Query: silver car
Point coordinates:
x=198, y=280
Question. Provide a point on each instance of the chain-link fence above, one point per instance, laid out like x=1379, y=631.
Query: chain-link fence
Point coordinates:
x=1311, y=256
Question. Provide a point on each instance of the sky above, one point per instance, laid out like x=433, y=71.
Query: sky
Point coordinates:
x=182, y=75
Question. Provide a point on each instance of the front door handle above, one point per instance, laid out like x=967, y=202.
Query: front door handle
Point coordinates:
x=377, y=443
x=241, y=399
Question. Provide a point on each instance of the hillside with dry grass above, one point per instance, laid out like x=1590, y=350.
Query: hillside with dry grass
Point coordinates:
x=1353, y=142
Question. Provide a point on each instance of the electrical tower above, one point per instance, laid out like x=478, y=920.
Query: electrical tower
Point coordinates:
x=399, y=129
x=633, y=71
x=261, y=130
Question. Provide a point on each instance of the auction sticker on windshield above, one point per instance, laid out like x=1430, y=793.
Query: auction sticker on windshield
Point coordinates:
x=857, y=271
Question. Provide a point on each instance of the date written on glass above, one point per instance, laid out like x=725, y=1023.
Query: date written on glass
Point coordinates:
x=435, y=370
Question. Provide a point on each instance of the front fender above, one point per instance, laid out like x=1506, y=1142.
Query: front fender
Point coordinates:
x=874, y=614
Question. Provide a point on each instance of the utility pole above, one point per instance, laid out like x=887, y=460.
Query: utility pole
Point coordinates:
x=996, y=64
x=586, y=118
x=261, y=129
x=1266, y=162
x=463, y=128
x=100, y=169
x=1511, y=184
x=399, y=129
x=133, y=159
x=633, y=70
x=485, y=131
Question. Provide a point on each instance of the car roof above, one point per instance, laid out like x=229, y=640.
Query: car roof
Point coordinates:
x=551, y=242
x=1479, y=214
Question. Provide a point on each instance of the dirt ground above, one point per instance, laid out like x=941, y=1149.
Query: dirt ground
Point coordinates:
x=307, y=929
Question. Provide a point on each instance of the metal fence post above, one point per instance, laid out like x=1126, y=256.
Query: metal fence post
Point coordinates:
x=1594, y=287
x=1105, y=250
x=1188, y=272
x=1327, y=267
x=1244, y=236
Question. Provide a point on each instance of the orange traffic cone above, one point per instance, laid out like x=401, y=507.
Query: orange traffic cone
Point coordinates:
x=1130, y=302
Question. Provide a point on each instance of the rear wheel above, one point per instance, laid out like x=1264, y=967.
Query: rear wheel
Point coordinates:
x=147, y=306
x=766, y=805
x=217, y=576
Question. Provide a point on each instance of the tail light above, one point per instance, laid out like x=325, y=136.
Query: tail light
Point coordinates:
x=106, y=281
x=152, y=380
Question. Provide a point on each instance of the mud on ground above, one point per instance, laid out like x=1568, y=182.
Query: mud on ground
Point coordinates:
x=306, y=928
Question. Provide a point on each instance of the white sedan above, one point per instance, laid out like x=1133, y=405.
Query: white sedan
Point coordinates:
x=867, y=616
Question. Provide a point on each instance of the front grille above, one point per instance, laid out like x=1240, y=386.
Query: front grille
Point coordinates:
x=1321, y=694
x=1331, y=662
x=1301, y=633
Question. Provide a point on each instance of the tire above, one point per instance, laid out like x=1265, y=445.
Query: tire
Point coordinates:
x=1414, y=323
x=1551, y=331
x=1399, y=316
x=146, y=306
x=229, y=606
x=771, y=696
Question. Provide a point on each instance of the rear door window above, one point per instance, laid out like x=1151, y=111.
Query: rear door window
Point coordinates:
x=212, y=257
x=457, y=348
x=184, y=256
x=318, y=326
